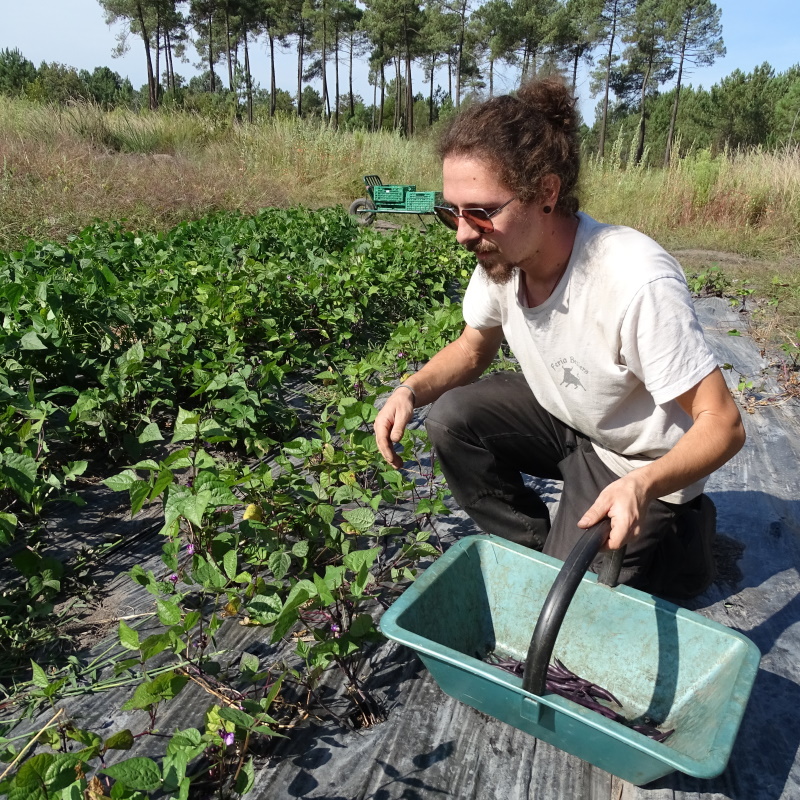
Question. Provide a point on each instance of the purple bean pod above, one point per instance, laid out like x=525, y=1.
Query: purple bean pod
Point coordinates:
x=565, y=683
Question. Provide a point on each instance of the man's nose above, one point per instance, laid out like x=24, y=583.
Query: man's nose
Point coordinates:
x=466, y=233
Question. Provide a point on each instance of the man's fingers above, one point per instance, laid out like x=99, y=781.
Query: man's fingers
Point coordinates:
x=593, y=516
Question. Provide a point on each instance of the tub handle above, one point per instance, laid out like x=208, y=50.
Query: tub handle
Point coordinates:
x=560, y=596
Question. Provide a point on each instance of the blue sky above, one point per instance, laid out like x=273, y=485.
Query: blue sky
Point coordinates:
x=74, y=32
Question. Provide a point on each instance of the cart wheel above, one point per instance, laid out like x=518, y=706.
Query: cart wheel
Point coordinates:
x=359, y=207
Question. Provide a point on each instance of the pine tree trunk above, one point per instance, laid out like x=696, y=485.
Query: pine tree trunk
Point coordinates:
x=300, y=42
x=272, y=85
x=158, y=55
x=352, y=99
x=637, y=158
x=211, y=56
x=151, y=88
x=575, y=71
x=228, y=44
x=430, y=93
x=674, y=114
x=450, y=77
x=325, y=98
x=383, y=92
x=168, y=62
x=604, y=122
x=491, y=77
x=409, y=97
x=336, y=74
x=248, y=78
x=397, y=98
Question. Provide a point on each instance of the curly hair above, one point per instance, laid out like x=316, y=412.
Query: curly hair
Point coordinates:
x=527, y=137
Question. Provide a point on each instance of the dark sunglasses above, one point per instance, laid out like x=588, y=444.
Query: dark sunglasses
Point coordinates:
x=478, y=218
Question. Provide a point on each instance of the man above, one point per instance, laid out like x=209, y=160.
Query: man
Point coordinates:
x=618, y=396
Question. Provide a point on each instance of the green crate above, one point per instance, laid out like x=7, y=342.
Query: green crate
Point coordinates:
x=391, y=195
x=420, y=201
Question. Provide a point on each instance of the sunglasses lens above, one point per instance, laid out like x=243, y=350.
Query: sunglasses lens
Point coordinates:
x=447, y=217
x=479, y=219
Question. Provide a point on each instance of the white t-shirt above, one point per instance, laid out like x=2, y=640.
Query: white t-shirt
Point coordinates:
x=611, y=348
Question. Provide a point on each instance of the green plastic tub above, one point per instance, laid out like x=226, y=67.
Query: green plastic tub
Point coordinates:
x=668, y=665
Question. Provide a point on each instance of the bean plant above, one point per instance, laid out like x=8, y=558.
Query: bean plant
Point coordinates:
x=225, y=373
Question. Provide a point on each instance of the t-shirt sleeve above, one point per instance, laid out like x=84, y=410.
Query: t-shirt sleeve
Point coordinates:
x=662, y=340
x=480, y=306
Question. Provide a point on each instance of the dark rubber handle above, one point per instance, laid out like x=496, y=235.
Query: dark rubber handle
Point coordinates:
x=560, y=596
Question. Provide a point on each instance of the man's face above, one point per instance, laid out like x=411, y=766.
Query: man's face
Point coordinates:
x=471, y=183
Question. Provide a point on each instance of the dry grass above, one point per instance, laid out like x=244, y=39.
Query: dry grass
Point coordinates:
x=748, y=203
x=61, y=168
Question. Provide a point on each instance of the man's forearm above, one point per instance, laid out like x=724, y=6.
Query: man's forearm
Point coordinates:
x=706, y=446
x=457, y=364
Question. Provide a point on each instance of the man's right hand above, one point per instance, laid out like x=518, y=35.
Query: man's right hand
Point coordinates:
x=390, y=424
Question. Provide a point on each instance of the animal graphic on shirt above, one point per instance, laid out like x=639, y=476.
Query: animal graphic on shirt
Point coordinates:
x=571, y=380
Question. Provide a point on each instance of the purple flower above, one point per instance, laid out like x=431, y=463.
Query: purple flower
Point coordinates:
x=173, y=578
x=227, y=738
x=335, y=630
x=401, y=354
x=190, y=547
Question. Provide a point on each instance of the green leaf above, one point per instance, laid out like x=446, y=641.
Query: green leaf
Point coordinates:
x=299, y=594
x=19, y=471
x=121, y=482
x=31, y=780
x=121, y=740
x=246, y=778
x=136, y=773
x=164, y=687
x=128, y=637
x=163, y=480
x=362, y=625
x=189, y=740
x=326, y=512
x=237, y=717
x=39, y=676
x=325, y=595
x=8, y=527
x=360, y=518
x=168, y=613
x=151, y=433
x=360, y=558
x=265, y=608
x=30, y=341
x=153, y=645
x=279, y=563
x=230, y=563
x=186, y=426
x=249, y=662
x=139, y=493
x=300, y=549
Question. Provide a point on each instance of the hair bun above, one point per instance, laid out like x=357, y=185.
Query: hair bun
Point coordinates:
x=551, y=98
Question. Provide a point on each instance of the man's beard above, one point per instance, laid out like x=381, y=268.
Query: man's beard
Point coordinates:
x=499, y=272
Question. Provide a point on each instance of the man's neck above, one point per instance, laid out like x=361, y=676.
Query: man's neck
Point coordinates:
x=542, y=272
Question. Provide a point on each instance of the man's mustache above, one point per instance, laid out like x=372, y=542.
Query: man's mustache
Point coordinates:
x=482, y=248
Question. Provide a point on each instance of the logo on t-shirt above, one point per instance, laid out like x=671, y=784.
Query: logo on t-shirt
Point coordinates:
x=571, y=379
x=570, y=369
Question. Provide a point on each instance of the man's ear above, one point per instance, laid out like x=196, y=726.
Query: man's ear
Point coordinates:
x=551, y=187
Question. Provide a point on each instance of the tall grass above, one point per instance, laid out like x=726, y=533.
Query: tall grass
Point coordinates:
x=60, y=168
x=743, y=202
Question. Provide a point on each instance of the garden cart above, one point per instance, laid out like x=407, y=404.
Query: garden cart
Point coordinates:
x=667, y=666
x=390, y=199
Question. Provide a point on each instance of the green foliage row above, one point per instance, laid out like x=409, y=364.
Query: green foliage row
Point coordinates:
x=165, y=360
